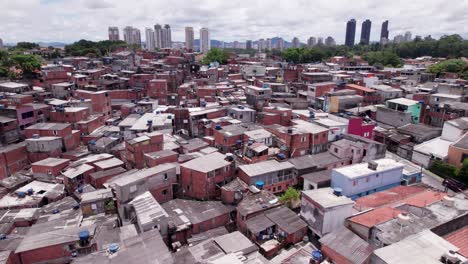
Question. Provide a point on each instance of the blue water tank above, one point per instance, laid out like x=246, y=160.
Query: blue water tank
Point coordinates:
x=259, y=185
x=113, y=247
x=317, y=255
x=83, y=235
x=280, y=156
x=311, y=114
x=76, y=206
x=250, y=142
x=21, y=194
x=30, y=191
x=337, y=191
x=203, y=104
x=218, y=127
x=239, y=142
x=3, y=236
x=55, y=211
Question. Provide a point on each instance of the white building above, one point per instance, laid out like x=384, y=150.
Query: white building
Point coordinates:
x=132, y=36
x=325, y=210
x=150, y=43
x=158, y=36
x=166, y=37
x=189, y=37
x=365, y=178
x=204, y=40
x=113, y=35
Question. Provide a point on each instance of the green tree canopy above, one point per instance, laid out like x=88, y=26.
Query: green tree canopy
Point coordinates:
x=290, y=196
x=26, y=45
x=215, y=54
x=28, y=64
x=87, y=47
x=453, y=65
x=386, y=58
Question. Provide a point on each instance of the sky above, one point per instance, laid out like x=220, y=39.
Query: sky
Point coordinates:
x=228, y=20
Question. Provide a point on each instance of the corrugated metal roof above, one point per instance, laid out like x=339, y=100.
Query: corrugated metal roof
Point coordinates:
x=348, y=245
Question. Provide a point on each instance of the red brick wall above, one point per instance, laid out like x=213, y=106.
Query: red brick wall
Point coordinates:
x=202, y=187
x=54, y=170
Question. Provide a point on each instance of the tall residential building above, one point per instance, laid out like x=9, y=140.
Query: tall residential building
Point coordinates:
x=280, y=44
x=399, y=38
x=261, y=45
x=365, y=31
x=132, y=36
x=204, y=40
x=319, y=41
x=150, y=43
x=311, y=42
x=296, y=43
x=1, y=43
x=248, y=44
x=329, y=41
x=189, y=37
x=268, y=44
x=350, y=32
x=408, y=37
x=113, y=33
x=166, y=38
x=384, y=32
x=158, y=36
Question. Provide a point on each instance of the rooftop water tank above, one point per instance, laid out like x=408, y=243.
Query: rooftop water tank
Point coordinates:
x=337, y=191
x=259, y=185
x=218, y=127
x=113, y=248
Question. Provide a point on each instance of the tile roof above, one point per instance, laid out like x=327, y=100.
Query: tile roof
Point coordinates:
x=459, y=239
x=376, y=216
x=386, y=197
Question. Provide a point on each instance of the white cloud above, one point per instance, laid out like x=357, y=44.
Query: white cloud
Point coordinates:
x=71, y=20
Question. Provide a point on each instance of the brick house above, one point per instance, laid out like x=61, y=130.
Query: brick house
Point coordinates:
x=275, y=176
x=13, y=158
x=202, y=177
x=154, y=159
x=70, y=138
x=137, y=147
x=49, y=168
x=157, y=89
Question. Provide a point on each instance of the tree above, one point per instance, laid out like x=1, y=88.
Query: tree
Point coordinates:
x=26, y=45
x=28, y=64
x=452, y=65
x=290, y=196
x=462, y=174
x=216, y=55
x=386, y=58
x=443, y=169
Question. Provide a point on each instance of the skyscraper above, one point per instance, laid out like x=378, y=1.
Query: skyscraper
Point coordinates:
x=1, y=43
x=329, y=41
x=189, y=37
x=280, y=44
x=166, y=38
x=248, y=44
x=311, y=42
x=350, y=32
x=132, y=36
x=158, y=36
x=295, y=42
x=268, y=44
x=150, y=44
x=261, y=44
x=408, y=37
x=113, y=33
x=319, y=41
x=384, y=32
x=204, y=40
x=365, y=31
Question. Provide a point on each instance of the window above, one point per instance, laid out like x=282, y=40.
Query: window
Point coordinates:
x=324, y=135
x=355, y=182
x=164, y=192
x=165, y=176
x=94, y=206
x=27, y=115
x=336, y=150
x=303, y=139
x=55, y=132
x=279, y=188
x=188, y=187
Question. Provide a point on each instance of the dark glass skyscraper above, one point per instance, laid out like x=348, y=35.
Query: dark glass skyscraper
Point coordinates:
x=350, y=32
x=384, y=30
x=365, y=31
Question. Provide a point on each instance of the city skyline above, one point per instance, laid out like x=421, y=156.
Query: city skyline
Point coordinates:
x=233, y=24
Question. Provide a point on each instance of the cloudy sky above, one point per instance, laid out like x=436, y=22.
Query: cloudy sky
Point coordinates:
x=71, y=20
